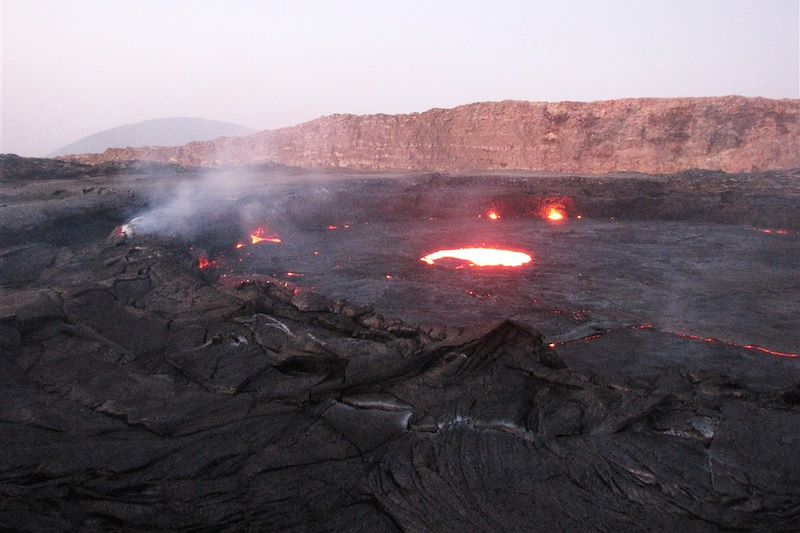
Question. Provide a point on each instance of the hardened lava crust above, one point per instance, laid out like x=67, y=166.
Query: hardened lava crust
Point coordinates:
x=141, y=392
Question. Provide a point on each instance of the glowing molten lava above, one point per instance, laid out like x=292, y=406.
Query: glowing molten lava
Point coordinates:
x=258, y=236
x=493, y=215
x=203, y=263
x=481, y=257
x=554, y=214
x=778, y=231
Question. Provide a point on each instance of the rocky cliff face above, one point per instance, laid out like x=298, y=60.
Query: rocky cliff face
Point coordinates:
x=734, y=134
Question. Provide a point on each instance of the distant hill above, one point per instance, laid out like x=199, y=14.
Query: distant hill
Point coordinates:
x=159, y=132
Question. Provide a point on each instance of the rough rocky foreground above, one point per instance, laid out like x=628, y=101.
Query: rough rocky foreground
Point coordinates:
x=137, y=394
x=651, y=135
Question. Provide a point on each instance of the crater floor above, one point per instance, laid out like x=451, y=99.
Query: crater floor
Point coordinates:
x=140, y=392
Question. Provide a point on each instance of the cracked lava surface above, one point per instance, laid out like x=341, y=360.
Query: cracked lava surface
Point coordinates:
x=615, y=384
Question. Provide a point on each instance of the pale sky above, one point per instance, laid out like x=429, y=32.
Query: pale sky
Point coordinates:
x=73, y=68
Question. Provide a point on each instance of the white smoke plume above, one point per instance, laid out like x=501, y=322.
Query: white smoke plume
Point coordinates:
x=188, y=207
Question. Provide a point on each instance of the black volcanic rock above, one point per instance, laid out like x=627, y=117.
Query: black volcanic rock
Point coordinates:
x=14, y=167
x=140, y=393
x=139, y=401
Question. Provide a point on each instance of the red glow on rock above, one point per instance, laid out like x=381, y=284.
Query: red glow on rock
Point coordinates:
x=331, y=227
x=778, y=231
x=204, y=263
x=239, y=245
x=259, y=236
x=481, y=257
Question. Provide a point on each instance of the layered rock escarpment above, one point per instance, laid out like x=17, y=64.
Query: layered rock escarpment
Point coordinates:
x=652, y=135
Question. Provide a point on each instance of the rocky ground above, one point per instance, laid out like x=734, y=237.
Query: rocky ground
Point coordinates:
x=141, y=393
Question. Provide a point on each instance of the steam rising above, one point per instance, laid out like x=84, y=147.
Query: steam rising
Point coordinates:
x=197, y=204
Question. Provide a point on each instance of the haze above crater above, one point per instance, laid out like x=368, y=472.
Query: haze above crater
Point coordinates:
x=71, y=69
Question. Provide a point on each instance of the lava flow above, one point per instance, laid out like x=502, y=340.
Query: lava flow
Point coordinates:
x=748, y=347
x=258, y=236
x=481, y=257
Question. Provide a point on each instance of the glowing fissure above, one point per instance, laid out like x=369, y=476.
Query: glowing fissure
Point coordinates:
x=690, y=337
x=748, y=347
x=481, y=257
x=258, y=236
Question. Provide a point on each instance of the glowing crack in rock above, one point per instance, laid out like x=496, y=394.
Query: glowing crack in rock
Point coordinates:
x=493, y=215
x=687, y=336
x=481, y=257
x=258, y=236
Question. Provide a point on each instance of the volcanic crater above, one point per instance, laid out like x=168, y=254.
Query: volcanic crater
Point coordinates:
x=280, y=357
